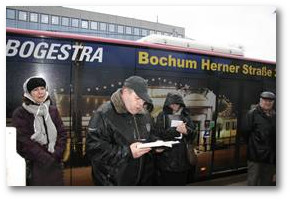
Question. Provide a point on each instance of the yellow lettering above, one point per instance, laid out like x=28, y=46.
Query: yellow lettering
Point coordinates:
x=253, y=71
x=205, y=64
x=245, y=69
x=191, y=64
x=180, y=63
x=154, y=60
x=171, y=61
x=234, y=69
x=143, y=58
x=213, y=66
x=163, y=61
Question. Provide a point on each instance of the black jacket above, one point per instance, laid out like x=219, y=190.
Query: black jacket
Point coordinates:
x=174, y=159
x=260, y=134
x=111, y=130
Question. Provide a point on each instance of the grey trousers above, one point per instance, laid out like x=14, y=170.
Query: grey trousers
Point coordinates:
x=260, y=174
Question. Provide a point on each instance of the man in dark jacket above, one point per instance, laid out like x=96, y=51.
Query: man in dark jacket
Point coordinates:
x=260, y=133
x=114, y=132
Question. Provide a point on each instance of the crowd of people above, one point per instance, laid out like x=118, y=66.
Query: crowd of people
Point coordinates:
x=116, y=130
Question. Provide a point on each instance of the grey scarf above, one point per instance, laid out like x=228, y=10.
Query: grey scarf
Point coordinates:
x=178, y=112
x=40, y=135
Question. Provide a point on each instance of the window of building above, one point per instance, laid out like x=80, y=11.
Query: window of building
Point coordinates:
x=75, y=23
x=111, y=28
x=120, y=29
x=234, y=125
x=144, y=32
x=103, y=26
x=65, y=21
x=55, y=20
x=94, y=25
x=158, y=33
x=227, y=126
x=44, y=19
x=85, y=24
x=128, y=30
x=10, y=14
x=22, y=16
x=33, y=17
x=136, y=31
x=151, y=32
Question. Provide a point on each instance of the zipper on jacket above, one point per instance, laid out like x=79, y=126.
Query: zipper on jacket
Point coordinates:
x=45, y=127
x=136, y=127
x=140, y=159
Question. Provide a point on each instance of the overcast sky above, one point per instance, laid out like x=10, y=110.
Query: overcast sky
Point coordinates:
x=253, y=27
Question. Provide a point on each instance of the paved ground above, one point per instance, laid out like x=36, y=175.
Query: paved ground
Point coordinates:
x=232, y=180
x=82, y=177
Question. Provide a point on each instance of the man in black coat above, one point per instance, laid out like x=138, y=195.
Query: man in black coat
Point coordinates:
x=114, y=132
x=260, y=133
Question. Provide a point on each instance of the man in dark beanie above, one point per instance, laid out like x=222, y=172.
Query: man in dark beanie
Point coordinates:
x=114, y=132
x=260, y=134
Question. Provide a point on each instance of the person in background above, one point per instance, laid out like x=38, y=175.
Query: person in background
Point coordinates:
x=174, y=123
x=114, y=132
x=260, y=134
x=41, y=136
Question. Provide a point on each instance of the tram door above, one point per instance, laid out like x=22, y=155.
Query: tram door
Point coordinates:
x=224, y=140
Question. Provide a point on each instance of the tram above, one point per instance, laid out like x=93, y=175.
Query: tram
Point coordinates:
x=219, y=86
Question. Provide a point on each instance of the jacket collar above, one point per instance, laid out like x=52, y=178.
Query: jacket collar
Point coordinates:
x=119, y=104
x=269, y=113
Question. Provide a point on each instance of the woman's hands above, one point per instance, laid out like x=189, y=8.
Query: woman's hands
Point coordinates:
x=182, y=128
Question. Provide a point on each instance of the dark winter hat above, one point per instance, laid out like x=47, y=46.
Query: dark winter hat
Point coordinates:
x=268, y=95
x=34, y=83
x=174, y=97
x=139, y=85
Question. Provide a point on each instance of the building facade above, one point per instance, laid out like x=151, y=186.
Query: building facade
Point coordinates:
x=69, y=20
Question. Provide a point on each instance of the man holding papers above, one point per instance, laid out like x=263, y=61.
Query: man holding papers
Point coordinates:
x=115, y=130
